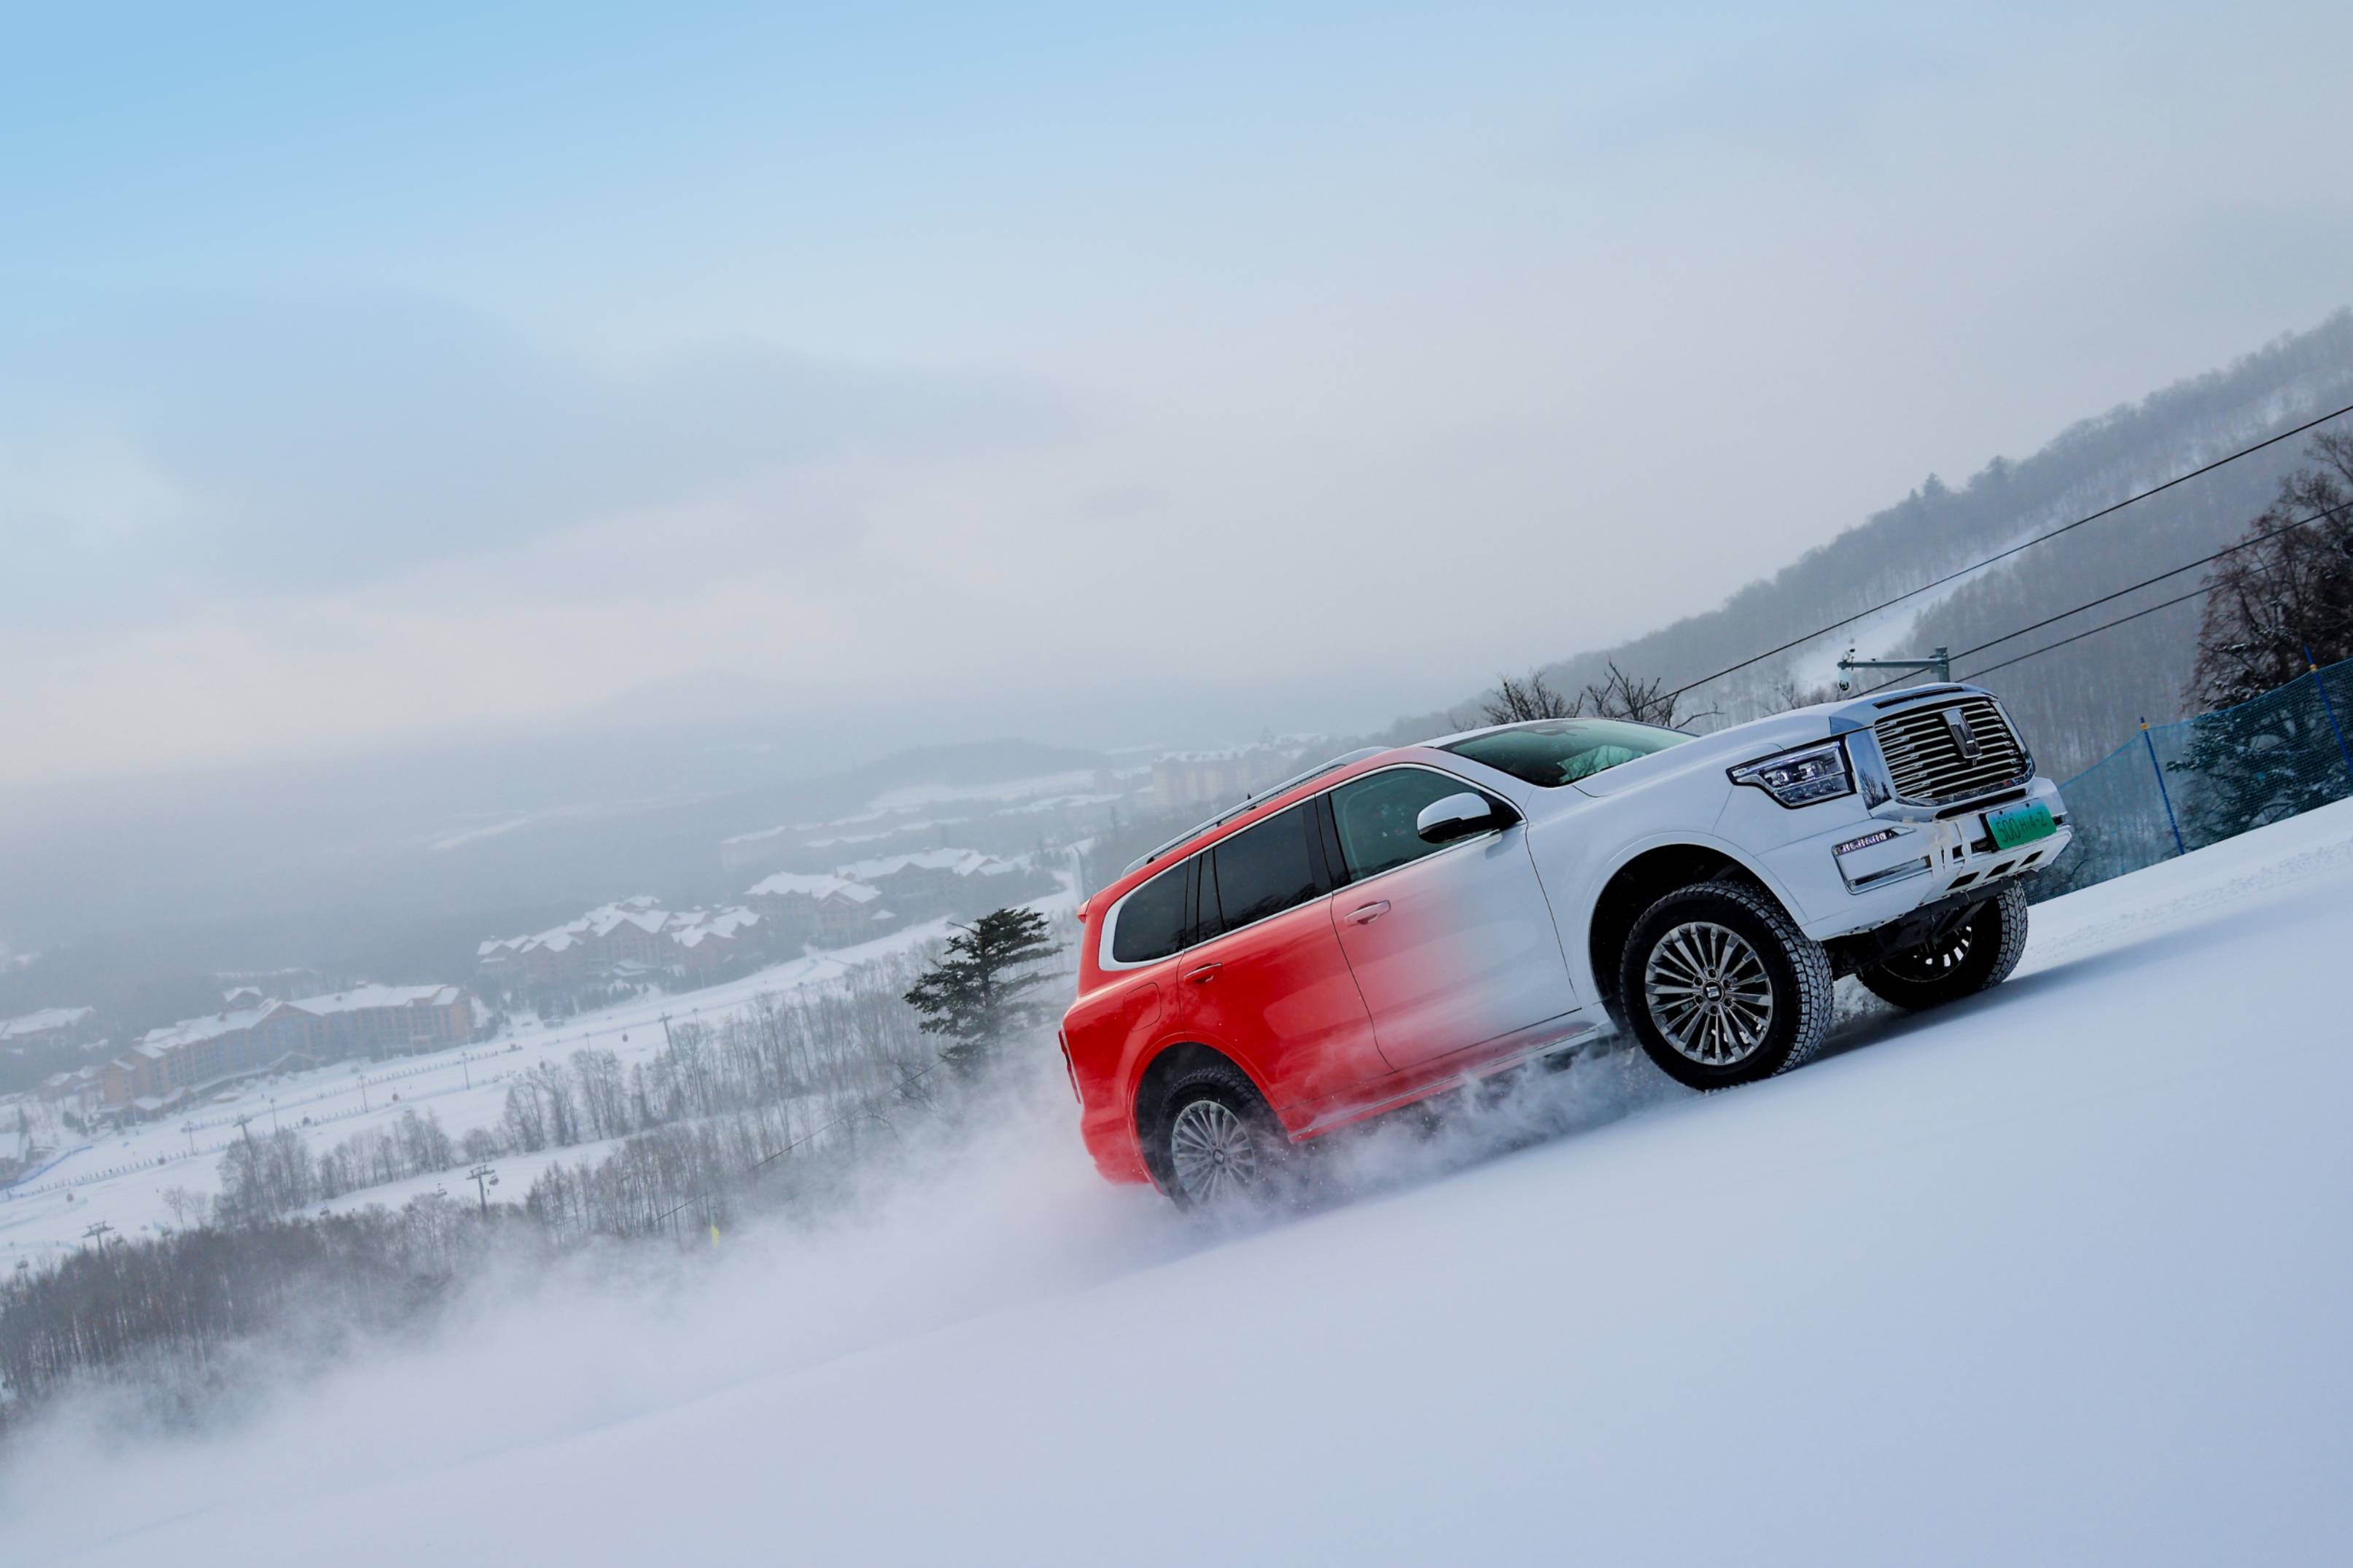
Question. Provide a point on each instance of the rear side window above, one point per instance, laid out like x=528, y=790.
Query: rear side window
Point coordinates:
x=1150, y=921
x=1375, y=817
x=1264, y=869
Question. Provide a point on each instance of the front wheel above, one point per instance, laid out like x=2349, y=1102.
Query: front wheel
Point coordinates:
x=1722, y=987
x=1981, y=951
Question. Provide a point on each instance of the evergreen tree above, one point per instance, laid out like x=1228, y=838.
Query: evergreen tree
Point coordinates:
x=980, y=990
x=2270, y=751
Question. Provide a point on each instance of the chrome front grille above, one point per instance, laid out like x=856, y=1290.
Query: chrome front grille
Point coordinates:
x=1929, y=759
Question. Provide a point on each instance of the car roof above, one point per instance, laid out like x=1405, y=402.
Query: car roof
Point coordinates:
x=1256, y=799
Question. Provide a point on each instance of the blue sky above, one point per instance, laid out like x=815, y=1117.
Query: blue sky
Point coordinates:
x=347, y=357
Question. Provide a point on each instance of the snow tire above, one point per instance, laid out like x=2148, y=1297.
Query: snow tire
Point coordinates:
x=1795, y=969
x=1223, y=1103
x=1980, y=953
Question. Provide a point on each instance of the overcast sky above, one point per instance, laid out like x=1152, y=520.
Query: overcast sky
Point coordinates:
x=361, y=380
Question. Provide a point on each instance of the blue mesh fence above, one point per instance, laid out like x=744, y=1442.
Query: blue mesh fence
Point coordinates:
x=2177, y=787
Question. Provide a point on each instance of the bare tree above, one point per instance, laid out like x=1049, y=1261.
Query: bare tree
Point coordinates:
x=1786, y=694
x=1618, y=695
x=2273, y=600
x=1515, y=701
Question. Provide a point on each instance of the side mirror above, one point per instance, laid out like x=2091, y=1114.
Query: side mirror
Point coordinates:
x=1460, y=816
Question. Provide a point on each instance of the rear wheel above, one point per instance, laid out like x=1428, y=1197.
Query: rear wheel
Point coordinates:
x=1979, y=952
x=1220, y=1146
x=1722, y=987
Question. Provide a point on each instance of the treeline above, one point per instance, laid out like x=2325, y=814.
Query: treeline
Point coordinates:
x=751, y=1068
x=763, y=1108
x=720, y=1105
x=263, y=1178
x=164, y=1311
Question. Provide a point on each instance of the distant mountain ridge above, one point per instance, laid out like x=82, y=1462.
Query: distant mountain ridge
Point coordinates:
x=2082, y=700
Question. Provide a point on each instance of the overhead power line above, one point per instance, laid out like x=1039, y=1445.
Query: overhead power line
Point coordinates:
x=2265, y=537
x=2013, y=550
x=2092, y=631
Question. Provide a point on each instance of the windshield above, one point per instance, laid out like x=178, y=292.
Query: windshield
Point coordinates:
x=1556, y=751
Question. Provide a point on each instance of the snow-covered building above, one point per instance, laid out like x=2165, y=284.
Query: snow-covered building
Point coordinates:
x=704, y=942
x=928, y=881
x=1224, y=776
x=863, y=898
x=255, y=1034
x=627, y=939
x=388, y=1020
x=821, y=908
x=49, y=1027
x=77, y=1090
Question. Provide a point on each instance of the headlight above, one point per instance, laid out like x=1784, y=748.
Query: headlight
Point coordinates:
x=1802, y=777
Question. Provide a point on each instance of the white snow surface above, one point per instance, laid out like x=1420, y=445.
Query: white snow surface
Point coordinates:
x=2058, y=1274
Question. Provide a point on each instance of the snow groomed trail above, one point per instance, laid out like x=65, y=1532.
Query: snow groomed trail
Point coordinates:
x=2060, y=1274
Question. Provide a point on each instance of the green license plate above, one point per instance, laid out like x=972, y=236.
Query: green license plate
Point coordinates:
x=2017, y=825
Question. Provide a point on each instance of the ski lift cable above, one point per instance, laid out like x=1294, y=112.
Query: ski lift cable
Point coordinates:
x=2321, y=516
x=2015, y=549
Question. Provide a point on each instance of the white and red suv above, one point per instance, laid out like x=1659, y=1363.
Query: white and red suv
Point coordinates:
x=1404, y=920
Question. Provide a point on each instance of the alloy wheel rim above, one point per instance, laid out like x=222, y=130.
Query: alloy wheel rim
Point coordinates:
x=1709, y=992
x=1212, y=1150
x=1924, y=965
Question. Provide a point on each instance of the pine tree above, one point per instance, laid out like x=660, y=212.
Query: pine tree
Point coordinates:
x=978, y=992
x=2277, y=607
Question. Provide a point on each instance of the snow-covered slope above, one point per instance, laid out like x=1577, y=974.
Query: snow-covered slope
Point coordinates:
x=2059, y=1275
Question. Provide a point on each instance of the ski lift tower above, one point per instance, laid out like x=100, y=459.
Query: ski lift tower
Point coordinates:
x=1939, y=660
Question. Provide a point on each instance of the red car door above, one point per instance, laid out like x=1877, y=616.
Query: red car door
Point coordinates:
x=1269, y=986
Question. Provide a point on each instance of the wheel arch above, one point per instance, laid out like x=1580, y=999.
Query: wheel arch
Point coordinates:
x=1167, y=1065
x=1643, y=877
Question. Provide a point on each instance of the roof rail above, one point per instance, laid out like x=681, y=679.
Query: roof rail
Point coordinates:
x=1251, y=799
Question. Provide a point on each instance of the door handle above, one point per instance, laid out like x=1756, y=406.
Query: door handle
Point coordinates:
x=1366, y=914
x=1207, y=972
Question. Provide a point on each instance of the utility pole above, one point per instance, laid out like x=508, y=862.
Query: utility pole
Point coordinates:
x=484, y=1179
x=1940, y=661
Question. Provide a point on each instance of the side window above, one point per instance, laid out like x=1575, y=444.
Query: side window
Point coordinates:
x=1264, y=869
x=1150, y=921
x=1375, y=817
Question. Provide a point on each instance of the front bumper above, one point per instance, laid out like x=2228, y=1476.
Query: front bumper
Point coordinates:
x=1898, y=858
